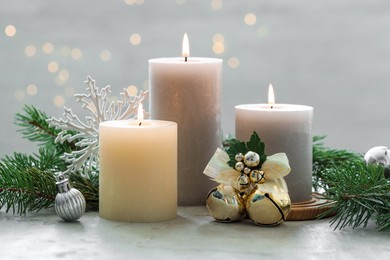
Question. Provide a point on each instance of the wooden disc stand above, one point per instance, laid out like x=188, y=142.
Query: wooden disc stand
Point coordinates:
x=310, y=209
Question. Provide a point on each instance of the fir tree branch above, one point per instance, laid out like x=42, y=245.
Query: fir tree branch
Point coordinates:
x=36, y=129
x=359, y=192
x=325, y=158
x=25, y=183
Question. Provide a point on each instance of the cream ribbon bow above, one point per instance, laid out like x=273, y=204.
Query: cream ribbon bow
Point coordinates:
x=275, y=168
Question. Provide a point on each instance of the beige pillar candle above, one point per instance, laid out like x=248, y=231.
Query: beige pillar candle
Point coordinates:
x=187, y=91
x=283, y=128
x=138, y=170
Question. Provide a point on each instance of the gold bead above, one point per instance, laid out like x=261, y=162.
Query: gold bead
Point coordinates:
x=251, y=159
x=267, y=209
x=247, y=170
x=224, y=204
x=239, y=157
x=239, y=166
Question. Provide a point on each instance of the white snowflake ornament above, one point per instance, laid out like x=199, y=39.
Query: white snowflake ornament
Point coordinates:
x=99, y=104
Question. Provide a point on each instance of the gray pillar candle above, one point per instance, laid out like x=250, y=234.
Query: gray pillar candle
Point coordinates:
x=188, y=92
x=283, y=128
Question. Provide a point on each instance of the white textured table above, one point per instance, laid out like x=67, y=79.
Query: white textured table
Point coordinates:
x=192, y=235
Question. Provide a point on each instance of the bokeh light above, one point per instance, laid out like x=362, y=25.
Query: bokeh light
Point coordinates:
x=135, y=39
x=32, y=89
x=59, y=101
x=132, y=2
x=10, y=30
x=218, y=48
x=105, y=55
x=216, y=4
x=233, y=62
x=48, y=48
x=132, y=90
x=63, y=75
x=250, y=19
x=30, y=50
x=52, y=67
x=76, y=53
x=218, y=37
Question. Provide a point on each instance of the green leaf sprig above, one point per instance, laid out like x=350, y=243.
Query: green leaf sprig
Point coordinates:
x=254, y=144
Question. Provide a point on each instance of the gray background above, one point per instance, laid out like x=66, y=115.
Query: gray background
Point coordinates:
x=332, y=55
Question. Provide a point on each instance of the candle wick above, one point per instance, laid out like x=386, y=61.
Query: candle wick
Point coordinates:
x=272, y=107
x=140, y=123
x=185, y=58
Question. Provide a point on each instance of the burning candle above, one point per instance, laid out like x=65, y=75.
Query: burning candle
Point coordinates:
x=283, y=128
x=187, y=90
x=138, y=170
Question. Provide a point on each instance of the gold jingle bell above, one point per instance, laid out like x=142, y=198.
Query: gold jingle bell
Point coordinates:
x=243, y=182
x=257, y=176
x=224, y=204
x=267, y=208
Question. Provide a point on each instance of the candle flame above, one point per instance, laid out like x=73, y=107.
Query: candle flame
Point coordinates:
x=185, y=47
x=140, y=115
x=271, y=96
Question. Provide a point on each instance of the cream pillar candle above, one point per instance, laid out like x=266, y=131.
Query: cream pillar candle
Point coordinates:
x=188, y=92
x=283, y=128
x=138, y=170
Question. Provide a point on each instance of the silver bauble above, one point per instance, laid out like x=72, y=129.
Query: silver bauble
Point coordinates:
x=379, y=155
x=69, y=203
x=251, y=159
x=224, y=204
